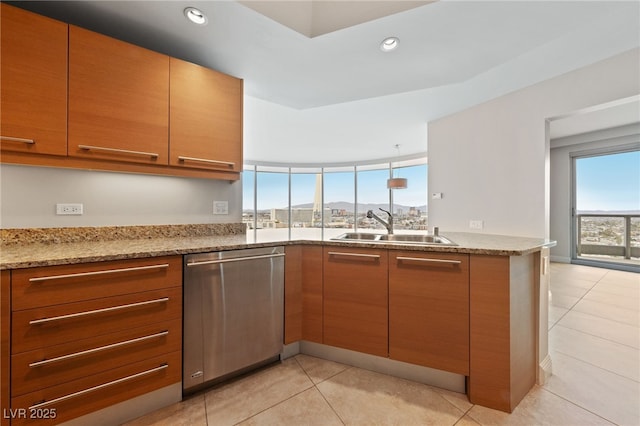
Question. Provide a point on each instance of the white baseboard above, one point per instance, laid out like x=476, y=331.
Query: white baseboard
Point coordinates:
x=560, y=259
x=545, y=370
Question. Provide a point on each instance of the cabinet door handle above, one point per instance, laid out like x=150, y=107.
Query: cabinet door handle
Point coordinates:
x=205, y=160
x=98, y=349
x=118, y=151
x=427, y=260
x=338, y=253
x=97, y=311
x=98, y=387
x=106, y=271
x=235, y=259
x=20, y=140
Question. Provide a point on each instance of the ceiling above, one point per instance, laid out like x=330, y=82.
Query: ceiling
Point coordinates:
x=441, y=43
x=318, y=64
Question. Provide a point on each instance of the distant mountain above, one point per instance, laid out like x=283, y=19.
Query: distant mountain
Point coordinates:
x=605, y=212
x=362, y=207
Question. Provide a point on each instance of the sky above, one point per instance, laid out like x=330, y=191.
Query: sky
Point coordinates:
x=608, y=182
x=339, y=186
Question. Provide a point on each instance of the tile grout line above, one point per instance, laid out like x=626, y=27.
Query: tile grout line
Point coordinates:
x=577, y=405
x=596, y=366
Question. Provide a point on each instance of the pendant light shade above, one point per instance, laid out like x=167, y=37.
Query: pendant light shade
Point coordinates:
x=397, y=183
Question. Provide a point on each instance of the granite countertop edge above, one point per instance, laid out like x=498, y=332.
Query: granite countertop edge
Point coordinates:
x=46, y=254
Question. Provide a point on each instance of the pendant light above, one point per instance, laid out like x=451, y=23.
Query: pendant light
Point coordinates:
x=397, y=182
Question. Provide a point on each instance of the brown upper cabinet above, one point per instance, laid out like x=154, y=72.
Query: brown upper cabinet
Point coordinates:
x=205, y=118
x=33, y=83
x=79, y=99
x=118, y=100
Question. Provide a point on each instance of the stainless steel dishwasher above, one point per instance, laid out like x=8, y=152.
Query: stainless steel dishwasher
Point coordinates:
x=233, y=313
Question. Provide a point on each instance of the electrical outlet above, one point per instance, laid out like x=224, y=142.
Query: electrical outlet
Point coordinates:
x=69, y=209
x=476, y=224
x=220, y=207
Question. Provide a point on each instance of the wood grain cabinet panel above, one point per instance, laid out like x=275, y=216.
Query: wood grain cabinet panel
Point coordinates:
x=118, y=100
x=303, y=294
x=49, y=365
x=205, y=117
x=355, y=297
x=5, y=341
x=86, y=336
x=429, y=310
x=95, y=391
x=52, y=285
x=33, y=82
x=503, y=330
x=56, y=324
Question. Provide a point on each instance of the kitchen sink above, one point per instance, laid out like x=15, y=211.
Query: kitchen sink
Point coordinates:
x=395, y=238
x=358, y=236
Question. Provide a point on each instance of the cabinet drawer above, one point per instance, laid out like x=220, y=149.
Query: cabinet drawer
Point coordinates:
x=52, y=285
x=95, y=391
x=51, y=365
x=54, y=325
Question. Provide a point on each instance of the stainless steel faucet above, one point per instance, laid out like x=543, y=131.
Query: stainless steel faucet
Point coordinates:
x=388, y=224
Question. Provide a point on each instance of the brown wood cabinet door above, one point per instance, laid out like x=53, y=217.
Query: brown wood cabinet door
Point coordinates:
x=205, y=117
x=33, y=83
x=429, y=310
x=118, y=100
x=356, y=299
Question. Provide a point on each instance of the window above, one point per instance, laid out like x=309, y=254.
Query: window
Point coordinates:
x=607, y=207
x=410, y=205
x=306, y=205
x=339, y=201
x=324, y=202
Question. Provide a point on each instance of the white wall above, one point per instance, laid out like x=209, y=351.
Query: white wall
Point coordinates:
x=29, y=196
x=561, y=180
x=491, y=161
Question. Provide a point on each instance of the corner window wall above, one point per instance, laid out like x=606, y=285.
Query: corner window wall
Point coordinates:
x=282, y=203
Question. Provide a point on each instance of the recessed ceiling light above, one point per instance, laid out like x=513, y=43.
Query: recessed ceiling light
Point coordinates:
x=195, y=16
x=389, y=44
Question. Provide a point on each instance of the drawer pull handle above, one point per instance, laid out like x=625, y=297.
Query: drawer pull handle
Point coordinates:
x=118, y=151
x=97, y=311
x=235, y=259
x=20, y=140
x=338, y=253
x=205, y=160
x=427, y=260
x=98, y=349
x=88, y=274
x=98, y=387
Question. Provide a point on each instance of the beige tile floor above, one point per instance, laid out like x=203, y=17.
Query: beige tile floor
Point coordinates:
x=594, y=338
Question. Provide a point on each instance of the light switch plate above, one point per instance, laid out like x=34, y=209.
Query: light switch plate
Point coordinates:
x=220, y=207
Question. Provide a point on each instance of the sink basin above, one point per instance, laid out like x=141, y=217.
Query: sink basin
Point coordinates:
x=358, y=236
x=416, y=239
x=395, y=238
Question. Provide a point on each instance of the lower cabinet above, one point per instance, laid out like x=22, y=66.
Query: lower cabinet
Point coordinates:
x=88, y=336
x=303, y=294
x=429, y=309
x=355, y=295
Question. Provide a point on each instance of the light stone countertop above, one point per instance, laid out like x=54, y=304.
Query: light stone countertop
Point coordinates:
x=15, y=255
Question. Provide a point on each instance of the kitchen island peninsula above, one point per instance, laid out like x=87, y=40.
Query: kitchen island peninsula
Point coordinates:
x=469, y=317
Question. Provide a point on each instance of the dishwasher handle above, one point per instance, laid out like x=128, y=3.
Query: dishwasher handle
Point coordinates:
x=234, y=259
